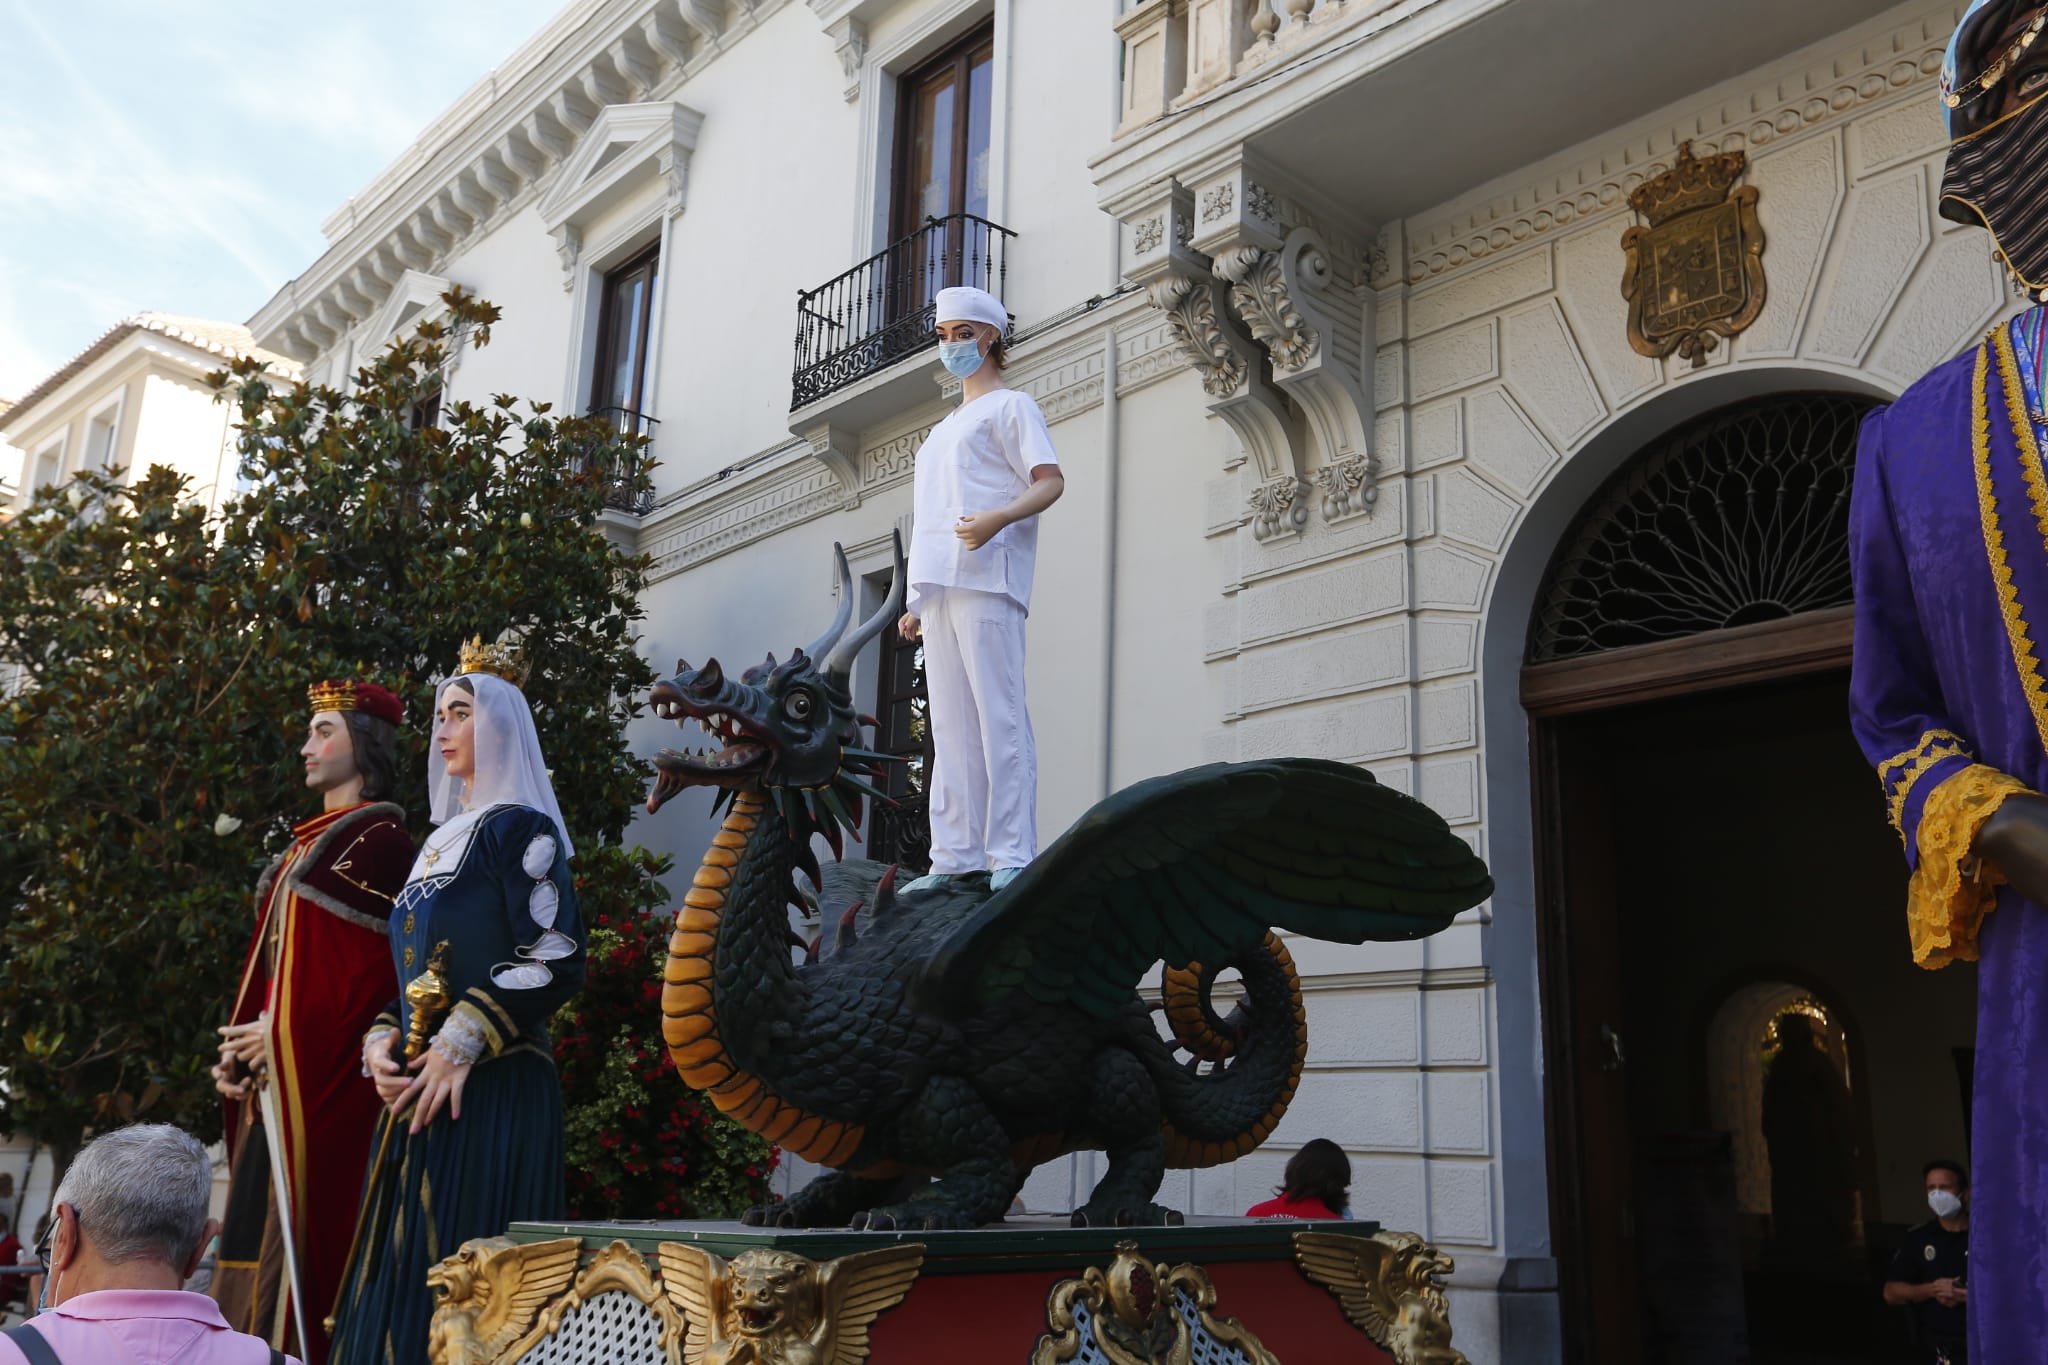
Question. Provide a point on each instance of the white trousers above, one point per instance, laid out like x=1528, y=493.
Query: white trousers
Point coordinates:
x=984, y=779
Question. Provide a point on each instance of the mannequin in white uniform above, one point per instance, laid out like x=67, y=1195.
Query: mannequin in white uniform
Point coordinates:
x=983, y=476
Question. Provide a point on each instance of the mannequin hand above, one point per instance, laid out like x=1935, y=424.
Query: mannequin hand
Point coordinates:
x=247, y=1043
x=2015, y=841
x=978, y=528
x=909, y=627
x=440, y=1082
x=385, y=1072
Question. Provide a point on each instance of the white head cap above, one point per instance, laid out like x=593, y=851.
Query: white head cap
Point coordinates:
x=965, y=303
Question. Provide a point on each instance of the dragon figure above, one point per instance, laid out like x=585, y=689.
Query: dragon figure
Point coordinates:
x=970, y=1035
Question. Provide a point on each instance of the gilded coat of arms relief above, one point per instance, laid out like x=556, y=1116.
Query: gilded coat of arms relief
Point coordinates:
x=1695, y=270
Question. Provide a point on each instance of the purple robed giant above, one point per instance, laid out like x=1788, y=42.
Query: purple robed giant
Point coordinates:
x=1949, y=546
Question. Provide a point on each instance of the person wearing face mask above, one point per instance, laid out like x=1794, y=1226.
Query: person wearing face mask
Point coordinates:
x=1948, y=694
x=1929, y=1275
x=982, y=477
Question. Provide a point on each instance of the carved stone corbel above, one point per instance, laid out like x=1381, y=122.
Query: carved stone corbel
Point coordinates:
x=1349, y=486
x=850, y=38
x=1387, y=1286
x=838, y=449
x=1279, y=508
x=1308, y=305
x=569, y=247
x=1232, y=367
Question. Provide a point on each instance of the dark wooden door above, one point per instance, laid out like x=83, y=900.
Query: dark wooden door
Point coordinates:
x=1594, y=1176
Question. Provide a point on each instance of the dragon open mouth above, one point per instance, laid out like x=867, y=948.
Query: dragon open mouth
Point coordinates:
x=737, y=761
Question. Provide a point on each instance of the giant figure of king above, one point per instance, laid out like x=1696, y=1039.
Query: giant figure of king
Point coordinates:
x=1949, y=545
x=318, y=970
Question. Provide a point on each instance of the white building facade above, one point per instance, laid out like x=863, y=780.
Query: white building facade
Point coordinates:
x=1323, y=300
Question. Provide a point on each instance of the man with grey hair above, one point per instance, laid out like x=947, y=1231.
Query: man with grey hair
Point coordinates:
x=128, y=1228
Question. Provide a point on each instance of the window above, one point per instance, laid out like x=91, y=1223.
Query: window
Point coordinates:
x=100, y=434
x=902, y=833
x=49, y=466
x=625, y=320
x=426, y=412
x=945, y=112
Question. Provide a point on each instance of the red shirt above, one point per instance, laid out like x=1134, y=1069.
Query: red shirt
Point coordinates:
x=1283, y=1207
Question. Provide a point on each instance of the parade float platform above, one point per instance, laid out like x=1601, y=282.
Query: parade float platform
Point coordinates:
x=1030, y=1289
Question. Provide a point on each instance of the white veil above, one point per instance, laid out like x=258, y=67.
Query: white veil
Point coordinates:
x=509, y=767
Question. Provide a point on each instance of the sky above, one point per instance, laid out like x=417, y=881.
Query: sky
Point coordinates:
x=178, y=156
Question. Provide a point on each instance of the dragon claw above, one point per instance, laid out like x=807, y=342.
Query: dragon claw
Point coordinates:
x=1093, y=1215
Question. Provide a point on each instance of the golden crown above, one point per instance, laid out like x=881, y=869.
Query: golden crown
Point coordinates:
x=332, y=696
x=1688, y=185
x=504, y=659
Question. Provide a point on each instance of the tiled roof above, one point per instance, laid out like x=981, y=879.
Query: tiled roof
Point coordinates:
x=229, y=340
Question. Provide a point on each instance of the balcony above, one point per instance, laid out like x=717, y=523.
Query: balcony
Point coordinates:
x=879, y=313
x=623, y=465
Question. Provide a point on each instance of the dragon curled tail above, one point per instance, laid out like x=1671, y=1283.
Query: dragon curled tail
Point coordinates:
x=1233, y=1090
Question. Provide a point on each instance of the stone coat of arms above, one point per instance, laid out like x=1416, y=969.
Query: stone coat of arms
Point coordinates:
x=1695, y=272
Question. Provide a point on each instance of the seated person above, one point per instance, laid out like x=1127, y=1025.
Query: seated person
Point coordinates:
x=1316, y=1184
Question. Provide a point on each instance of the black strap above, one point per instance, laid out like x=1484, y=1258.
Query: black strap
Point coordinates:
x=34, y=1345
x=276, y=1356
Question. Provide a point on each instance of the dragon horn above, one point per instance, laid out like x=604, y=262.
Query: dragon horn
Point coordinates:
x=831, y=637
x=839, y=664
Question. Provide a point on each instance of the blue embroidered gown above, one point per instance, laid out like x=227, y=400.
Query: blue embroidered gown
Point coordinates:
x=1949, y=548
x=495, y=886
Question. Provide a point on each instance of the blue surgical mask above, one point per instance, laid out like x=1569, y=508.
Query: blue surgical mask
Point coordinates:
x=961, y=357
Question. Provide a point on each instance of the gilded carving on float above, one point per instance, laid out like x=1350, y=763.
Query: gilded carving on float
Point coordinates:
x=1138, y=1312
x=767, y=1307
x=1387, y=1286
x=1695, y=272
x=488, y=1294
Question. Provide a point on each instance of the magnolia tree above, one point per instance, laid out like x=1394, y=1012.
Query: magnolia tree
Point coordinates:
x=148, y=767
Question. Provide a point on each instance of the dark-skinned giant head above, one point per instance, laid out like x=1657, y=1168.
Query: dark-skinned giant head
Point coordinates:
x=787, y=730
x=1994, y=94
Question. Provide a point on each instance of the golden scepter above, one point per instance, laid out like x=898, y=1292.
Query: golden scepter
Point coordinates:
x=429, y=996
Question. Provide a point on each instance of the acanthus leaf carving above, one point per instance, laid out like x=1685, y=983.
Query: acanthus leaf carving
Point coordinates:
x=1259, y=293
x=1191, y=312
x=1349, y=486
x=1279, y=508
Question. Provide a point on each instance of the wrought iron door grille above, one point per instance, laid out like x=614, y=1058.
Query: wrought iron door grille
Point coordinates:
x=623, y=469
x=881, y=310
x=1737, y=517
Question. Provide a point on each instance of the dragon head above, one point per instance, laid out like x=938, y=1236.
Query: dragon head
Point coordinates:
x=787, y=730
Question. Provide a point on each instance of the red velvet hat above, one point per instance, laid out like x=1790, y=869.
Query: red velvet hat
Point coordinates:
x=365, y=697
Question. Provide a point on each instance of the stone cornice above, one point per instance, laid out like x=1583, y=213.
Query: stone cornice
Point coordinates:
x=1890, y=64
x=489, y=154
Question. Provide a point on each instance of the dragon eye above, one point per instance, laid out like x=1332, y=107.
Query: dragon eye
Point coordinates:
x=797, y=705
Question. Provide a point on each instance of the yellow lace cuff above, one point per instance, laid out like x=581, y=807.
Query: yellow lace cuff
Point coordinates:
x=1952, y=890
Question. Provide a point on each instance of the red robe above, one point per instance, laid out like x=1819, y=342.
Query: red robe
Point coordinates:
x=319, y=964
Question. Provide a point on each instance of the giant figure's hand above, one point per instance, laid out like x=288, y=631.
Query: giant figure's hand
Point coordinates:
x=229, y=1077
x=909, y=627
x=385, y=1072
x=439, y=1082
x=2015, y=842
x=247, y=1043
x=979, y=528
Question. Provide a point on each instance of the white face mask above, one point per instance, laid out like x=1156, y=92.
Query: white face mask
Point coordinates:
x=1945, y=1203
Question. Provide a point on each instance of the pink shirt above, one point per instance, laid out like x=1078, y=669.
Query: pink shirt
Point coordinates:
x=143, y=1326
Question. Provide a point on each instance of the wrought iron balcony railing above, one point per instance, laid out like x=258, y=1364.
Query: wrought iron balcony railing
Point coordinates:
x=622, y=469
x=881, y=310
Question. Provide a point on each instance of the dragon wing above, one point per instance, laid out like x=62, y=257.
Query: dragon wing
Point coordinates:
x=694, y=1281
x=523, y=1282
x=1353, y=1269
x=857, y=1289
x=1195, y=867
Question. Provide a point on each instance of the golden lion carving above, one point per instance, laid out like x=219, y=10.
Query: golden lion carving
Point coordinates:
x=489, y=1293
x=1387, y=1286
x=767, y=1307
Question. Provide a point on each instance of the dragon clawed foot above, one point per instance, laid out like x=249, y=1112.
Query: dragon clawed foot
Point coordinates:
x=776, y=1215
x=1095, y=1214
x=919, y=1214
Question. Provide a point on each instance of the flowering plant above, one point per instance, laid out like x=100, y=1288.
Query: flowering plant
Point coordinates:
x=640, y=1143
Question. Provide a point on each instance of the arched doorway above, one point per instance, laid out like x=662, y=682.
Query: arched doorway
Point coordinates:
x=1708, y=839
